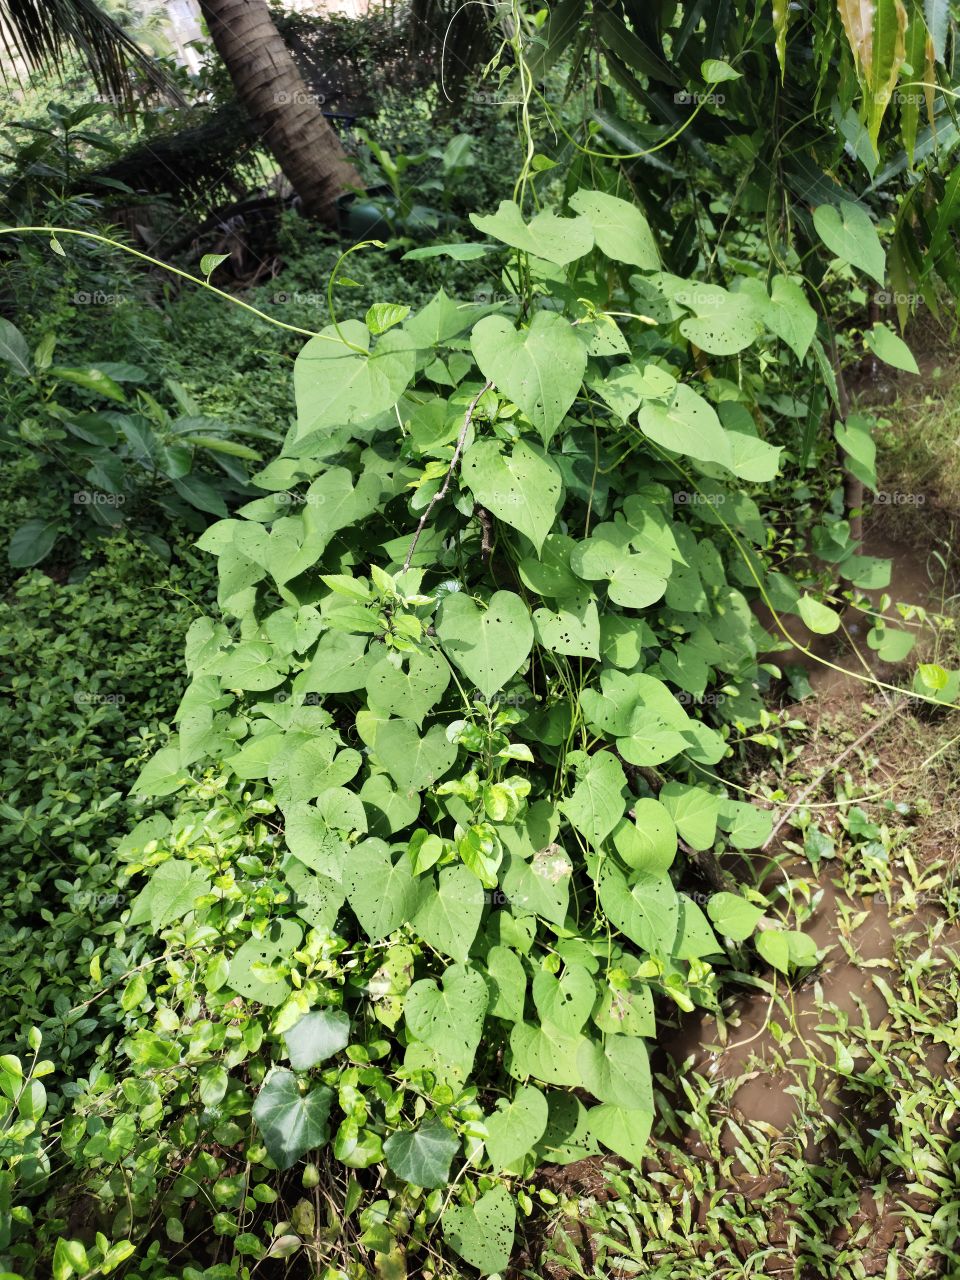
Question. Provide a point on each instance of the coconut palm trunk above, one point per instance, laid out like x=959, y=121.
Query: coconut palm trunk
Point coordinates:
x=273, y=92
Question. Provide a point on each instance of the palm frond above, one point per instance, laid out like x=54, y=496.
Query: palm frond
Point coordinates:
x=39, y=33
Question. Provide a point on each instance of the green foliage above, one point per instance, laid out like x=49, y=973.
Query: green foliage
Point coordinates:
x=469, y=694
x=97, y=431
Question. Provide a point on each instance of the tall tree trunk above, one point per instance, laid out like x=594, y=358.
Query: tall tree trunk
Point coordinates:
x=272, y=90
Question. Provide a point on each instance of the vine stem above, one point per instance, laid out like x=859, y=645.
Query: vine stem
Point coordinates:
x=166, y=266
x=442, y=491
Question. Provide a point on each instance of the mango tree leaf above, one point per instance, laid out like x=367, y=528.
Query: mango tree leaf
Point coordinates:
x=292, y=1122
x=316, y=1037
x=523, y=488
x=515, y=1127
x=482, y=1233
x=619, y=228
x=539, y=368
x=490, y=645
x=423, y=1155
x=558, y=240
x=850, y=235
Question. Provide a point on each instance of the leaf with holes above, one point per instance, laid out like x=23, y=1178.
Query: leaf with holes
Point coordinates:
x=523, y=488
x=449, y=916
x=482, y=1233
x=540, y=368
x=597, y=803
x=488, y=645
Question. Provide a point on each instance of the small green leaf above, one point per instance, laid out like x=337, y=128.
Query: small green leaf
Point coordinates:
x=734, y=916
x=384, y=315
x=716, y=71
x=891, y=349
x=817, y=616
x=209, y=263
x=849, y=233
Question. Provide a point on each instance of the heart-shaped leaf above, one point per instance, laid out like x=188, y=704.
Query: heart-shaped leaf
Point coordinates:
x=409, y=691
x=450, y=914
x=559, y=240
x=316, y=1037
x=567, y=1001
x=423, y=1155
x=540, y=368
x=482, y=1233
x=617, y=1071
x=619, y=228
x=449, y=1016
x=849, y=233
x=516, y=1127
x=488, y=645
x=523, y=488
x=413, y=762
x=687, y=425
x=292, y=1122
x=336, y=385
